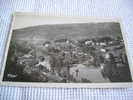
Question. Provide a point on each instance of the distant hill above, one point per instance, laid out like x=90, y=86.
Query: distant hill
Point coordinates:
x=73, y=31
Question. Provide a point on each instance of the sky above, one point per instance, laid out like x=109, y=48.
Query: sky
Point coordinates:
x=23, y=20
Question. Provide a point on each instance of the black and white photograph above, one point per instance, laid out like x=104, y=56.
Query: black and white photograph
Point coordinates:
x=77, y=52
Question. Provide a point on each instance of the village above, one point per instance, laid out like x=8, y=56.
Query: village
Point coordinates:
x=100, y=59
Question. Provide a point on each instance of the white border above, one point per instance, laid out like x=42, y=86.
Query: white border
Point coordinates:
x=67, y=85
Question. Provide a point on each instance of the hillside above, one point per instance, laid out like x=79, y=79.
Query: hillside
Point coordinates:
x=74, y=31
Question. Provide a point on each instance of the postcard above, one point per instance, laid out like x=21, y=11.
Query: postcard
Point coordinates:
x=68, y=52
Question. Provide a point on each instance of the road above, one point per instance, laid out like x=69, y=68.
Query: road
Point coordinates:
x=90, y=73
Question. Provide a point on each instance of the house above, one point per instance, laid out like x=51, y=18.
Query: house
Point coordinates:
x=46, y=43
x=103, y=44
